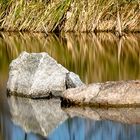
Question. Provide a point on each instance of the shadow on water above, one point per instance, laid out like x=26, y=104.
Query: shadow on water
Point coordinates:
x=95, y=58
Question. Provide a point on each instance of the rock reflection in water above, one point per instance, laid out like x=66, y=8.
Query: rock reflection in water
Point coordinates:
x=38, y=116
x=86, y=129
x=123, y=115
x=44, y=119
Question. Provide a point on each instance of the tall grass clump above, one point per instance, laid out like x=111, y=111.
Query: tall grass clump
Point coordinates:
x=103, y=15
x=70, y=15
x=37, y=16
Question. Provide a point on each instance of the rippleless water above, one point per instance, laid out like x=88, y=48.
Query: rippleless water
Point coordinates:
x=95, y=58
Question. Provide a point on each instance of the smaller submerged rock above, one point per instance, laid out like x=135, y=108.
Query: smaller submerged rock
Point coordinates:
x=119, y=93
x=37, y=75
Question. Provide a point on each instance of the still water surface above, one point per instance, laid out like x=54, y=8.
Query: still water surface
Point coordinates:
x=95, y=58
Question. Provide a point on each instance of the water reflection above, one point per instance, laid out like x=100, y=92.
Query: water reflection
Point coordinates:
x=123, y=115
x=85, y=129
x=38, y=116
x=98, y=57
x=11, y=131
x=42, y=119
x=79, y=129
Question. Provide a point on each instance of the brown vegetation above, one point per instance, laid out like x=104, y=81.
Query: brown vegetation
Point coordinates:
x=67, y=15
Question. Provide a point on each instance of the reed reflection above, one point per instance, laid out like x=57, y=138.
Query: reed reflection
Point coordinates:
x=95, y=58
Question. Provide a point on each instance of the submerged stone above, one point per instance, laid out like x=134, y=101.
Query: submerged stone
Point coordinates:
x=37, y=75
x=119, y=93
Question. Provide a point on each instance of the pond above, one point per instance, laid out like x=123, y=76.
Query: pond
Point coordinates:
x=95, y=58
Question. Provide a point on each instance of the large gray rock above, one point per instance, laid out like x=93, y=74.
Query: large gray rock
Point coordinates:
x=37, y=116
x=120, y=93
x=37, y=75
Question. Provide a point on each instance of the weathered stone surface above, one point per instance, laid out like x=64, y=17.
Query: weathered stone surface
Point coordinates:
x=38, y=116
x=73, y=80
x=120, y=93
x=123, y=115
x=38, y=75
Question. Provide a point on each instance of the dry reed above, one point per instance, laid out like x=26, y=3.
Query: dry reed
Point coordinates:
x=68, y=15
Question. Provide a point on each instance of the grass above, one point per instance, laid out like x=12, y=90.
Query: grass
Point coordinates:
x=36, y=16
x=68, y=15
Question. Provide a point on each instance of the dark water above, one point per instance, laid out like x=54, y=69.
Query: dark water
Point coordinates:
x=95, y=58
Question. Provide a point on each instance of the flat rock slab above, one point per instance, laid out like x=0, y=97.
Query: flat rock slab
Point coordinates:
x=37, y=75
x=120, y=93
